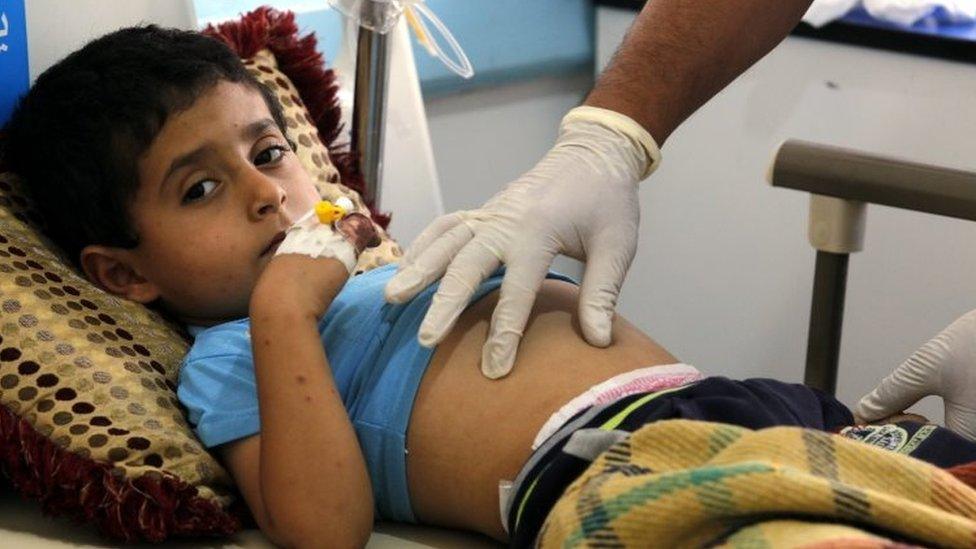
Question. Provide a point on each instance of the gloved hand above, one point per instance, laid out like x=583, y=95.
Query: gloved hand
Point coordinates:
x=945, y=366
x=579, y=200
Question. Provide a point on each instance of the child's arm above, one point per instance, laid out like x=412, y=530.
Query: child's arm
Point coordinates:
x=303, y=477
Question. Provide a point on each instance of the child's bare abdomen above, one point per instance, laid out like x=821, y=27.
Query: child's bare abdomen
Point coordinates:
x=468, y=432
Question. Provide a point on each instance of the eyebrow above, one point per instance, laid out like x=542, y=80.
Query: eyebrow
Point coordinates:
x=251, y=131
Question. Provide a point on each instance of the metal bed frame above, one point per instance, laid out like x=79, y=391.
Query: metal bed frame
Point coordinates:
x=841, y=182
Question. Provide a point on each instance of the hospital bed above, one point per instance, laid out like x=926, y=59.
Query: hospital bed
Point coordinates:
x=841, y=183
x=22, y=526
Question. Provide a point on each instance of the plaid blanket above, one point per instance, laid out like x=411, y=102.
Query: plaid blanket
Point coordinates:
x=682, y=483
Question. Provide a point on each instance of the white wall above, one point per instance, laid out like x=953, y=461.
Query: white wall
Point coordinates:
x=55, y=28
x=724, y=273
x=485, y=138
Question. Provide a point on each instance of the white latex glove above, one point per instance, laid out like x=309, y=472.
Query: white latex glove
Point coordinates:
x=579, y=200
x=945, y=366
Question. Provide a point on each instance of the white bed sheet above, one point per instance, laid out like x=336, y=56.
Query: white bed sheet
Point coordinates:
x=23, y=526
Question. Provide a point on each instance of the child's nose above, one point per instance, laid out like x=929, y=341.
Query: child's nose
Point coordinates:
x=267, y=196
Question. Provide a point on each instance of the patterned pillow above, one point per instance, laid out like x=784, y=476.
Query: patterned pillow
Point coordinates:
x=90, y=425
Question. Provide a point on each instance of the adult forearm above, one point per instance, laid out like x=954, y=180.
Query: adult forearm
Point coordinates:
x=680, y=53
x=313, y=479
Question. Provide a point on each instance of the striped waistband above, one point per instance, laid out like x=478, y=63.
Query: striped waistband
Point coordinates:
x=508, y=490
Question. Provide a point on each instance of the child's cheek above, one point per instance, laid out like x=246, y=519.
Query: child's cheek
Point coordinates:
x=214, y=252
x=302, y=195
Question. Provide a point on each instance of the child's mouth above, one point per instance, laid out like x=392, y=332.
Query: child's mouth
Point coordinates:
x=274, y=243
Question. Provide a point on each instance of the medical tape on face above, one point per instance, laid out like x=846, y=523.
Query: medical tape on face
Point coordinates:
x=308, y=236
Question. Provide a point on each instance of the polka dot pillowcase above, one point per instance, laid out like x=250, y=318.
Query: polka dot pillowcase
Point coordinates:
x=89, y=421
x=90, y=425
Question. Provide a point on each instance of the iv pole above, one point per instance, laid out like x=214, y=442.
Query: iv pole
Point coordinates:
x=369, y=100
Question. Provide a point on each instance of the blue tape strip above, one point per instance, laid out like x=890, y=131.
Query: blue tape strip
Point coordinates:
x=13, y=56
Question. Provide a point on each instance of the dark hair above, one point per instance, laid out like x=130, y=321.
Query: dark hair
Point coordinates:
x=77, y=135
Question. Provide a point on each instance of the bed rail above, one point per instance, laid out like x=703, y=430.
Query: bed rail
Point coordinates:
x=841, y=182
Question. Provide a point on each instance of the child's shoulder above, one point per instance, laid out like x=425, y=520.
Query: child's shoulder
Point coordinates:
x=361, y=294
x=228, y=338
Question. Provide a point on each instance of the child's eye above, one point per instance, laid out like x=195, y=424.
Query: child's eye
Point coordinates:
x=199, y=190
x=272, y=154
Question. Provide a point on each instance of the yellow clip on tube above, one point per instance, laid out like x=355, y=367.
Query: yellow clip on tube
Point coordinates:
x=328, y=212
x=418, y=29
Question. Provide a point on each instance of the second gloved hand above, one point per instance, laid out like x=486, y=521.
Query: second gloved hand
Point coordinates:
x=945, y=366
x=580, y=200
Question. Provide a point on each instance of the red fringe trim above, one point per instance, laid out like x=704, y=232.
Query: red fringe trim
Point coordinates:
x=151, y=508
x=266, y=27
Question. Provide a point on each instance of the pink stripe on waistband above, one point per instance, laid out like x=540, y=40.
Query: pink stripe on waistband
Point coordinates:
x=647, y=384
x=643, y=380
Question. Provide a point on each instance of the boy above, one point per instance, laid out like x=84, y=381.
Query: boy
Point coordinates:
x=197, y=187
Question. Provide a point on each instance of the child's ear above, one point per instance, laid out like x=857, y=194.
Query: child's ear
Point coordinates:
x=111, y=269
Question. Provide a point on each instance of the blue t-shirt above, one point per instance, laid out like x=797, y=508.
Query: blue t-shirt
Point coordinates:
x=376, y=361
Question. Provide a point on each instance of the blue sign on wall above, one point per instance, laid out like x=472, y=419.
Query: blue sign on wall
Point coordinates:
x=14, y=78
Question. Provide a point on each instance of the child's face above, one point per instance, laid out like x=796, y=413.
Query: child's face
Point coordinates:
x=205, y=220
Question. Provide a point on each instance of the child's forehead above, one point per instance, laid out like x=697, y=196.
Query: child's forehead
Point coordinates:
x=219, y=112
x=227, y=112
x=234, y=103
